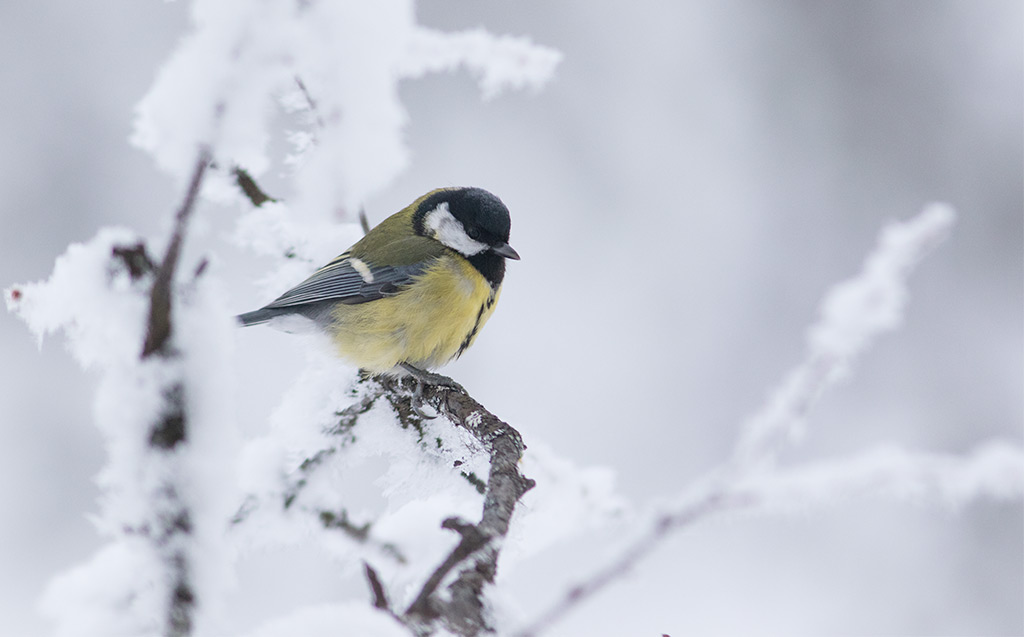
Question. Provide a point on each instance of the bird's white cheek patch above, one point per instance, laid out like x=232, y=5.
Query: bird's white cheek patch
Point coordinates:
x=362, y=269
x=450, y=232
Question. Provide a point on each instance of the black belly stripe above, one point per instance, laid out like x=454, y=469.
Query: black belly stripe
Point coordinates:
x=476, y=326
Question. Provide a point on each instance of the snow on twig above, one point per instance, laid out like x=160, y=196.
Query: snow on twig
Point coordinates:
x=853, y=314
x=166, y=432
x=992, y=470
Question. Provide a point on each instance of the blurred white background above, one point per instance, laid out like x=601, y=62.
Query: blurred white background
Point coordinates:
x=682, y=194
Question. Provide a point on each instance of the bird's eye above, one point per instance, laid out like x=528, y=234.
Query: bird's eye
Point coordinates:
x=474, y=234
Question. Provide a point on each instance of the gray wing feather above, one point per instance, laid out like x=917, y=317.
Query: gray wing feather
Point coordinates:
x=340, y=282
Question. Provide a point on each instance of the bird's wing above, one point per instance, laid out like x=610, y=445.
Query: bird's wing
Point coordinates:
x=348, y=279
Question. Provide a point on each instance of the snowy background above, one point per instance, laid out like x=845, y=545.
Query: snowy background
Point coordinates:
x=683, y=192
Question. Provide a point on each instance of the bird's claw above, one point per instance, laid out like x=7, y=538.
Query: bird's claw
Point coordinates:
x=416, y=402
x=422, y=378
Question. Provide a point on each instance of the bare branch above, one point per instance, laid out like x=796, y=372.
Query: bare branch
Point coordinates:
x=380, y=598
x=135, y=259
x=310, y=102
x=360, y=533
x=251, y=188
x=159, y=326
x=472, y=540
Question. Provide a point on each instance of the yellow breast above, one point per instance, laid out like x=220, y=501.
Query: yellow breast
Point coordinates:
x=428, y=324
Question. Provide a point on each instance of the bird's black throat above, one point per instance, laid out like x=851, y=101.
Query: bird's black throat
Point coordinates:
x=490, y=265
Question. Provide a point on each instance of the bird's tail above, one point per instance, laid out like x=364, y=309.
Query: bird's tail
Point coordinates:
x=261, y=315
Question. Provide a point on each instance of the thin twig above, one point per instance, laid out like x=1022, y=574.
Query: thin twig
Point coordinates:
x=170, y=429
x=135, y=259
x=158, y=329
x=310, y=101
x=853, y=314
x=360, y=533
x=380, y=597
x=714, y=501
x=364, y=223
x=472, y=540
x=251, y=188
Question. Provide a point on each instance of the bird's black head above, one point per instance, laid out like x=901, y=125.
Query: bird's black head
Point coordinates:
x=471, y=221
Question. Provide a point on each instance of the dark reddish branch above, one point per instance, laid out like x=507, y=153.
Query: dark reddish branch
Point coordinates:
x=170, y=428
x=380, y=598
x=472, y=564
x=158, y=331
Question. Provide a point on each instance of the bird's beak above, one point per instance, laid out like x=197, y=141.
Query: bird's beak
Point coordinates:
x=505, y=250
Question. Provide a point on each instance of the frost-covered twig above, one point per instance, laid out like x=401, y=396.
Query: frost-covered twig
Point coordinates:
x=124, y=314
x=709, y=503
x=467, y=568
x=993, y=470
x=476, y=555
x=171, y=429
x=853, y=313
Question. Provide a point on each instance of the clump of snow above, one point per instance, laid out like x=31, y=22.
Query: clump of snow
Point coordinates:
x=330, y=620
x=92, y=298
x=993, y=470
x=500, y=62
x=349, y=58
x=112, y=594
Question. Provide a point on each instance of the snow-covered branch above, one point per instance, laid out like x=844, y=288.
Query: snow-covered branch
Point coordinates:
x=993, y=470
x=156, y=574
x=460, y=605
x=853, y=314
x=476, y=556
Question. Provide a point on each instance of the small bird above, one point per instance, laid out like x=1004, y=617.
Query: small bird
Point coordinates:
x=414, y=292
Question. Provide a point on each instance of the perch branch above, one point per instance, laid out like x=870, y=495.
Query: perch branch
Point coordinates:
x=476, y=556
x=474, y=559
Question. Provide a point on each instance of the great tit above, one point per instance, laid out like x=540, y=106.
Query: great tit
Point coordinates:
x=415, y=290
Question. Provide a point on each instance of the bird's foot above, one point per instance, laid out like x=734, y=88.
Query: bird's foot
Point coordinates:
x=424, y=378
x=430, y=378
